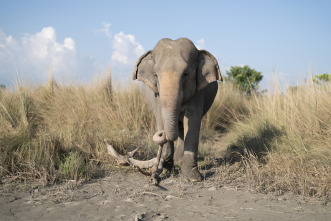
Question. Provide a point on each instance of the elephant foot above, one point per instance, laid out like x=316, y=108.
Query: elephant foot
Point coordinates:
x=191, y=174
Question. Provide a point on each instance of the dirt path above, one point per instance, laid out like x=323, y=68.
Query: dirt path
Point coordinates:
x=127, y=196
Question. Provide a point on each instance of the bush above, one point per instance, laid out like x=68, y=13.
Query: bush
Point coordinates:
x=322, y=78
x=245, y=78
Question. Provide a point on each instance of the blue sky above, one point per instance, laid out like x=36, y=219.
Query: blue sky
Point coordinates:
x=81, y=39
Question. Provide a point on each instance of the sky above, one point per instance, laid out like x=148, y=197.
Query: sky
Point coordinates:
x=79, y=40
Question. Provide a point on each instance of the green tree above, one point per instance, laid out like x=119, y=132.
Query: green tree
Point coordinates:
x=2, y=86
x=245, y=78
x=322, y=78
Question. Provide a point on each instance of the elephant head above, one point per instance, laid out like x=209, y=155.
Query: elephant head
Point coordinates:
x=176, y=70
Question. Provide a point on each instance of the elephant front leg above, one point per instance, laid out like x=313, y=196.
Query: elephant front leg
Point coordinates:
x=192, y=123
x=179, y=149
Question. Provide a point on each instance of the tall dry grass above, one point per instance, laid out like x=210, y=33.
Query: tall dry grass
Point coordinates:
x=279, y=142
x=56, y=132
x=284, y=144
x=229, y=106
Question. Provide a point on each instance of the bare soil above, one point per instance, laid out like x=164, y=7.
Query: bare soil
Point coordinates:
x=129, y=196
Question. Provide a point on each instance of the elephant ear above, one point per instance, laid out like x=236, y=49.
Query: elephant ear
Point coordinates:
x=208, y=70
x=143, y=71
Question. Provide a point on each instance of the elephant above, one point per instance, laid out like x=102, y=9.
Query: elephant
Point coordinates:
x=179, y=85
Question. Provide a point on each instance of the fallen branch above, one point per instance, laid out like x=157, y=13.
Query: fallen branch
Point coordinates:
x=154, y=165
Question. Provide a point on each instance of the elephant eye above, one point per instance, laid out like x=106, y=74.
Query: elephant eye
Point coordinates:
x=185, y=74
x=155, y=75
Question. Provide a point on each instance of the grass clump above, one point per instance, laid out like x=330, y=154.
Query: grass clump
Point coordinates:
x=284, y=143
x=56, y=132
x=74, y=165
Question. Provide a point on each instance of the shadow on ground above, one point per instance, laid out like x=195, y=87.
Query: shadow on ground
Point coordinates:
x=256, y=144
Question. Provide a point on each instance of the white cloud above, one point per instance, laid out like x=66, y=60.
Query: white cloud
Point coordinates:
x=33, y=55
x=69, y=43
x=200, y=44
x=126, y=51
x=105, y=30
x=44, y=47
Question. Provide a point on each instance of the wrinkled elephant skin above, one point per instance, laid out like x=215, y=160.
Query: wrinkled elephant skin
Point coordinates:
x=180, y=84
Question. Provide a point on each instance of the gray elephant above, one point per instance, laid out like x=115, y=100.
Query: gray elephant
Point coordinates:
x=180, y=85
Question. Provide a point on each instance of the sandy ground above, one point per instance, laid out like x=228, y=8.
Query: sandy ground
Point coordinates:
x=129, y=196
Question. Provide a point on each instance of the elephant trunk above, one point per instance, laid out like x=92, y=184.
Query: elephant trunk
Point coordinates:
x=171, y=98
x=170, y=119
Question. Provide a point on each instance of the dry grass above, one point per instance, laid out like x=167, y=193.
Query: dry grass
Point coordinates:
x=285, y=142
x=229, y=106
x=279, y=142
x=56, y=132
